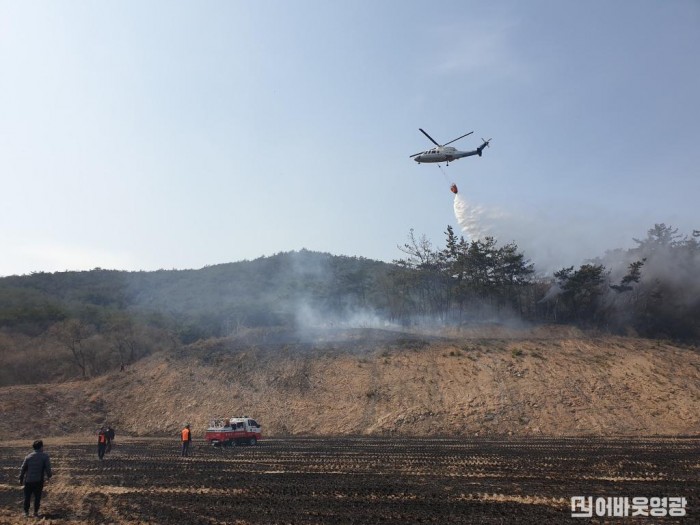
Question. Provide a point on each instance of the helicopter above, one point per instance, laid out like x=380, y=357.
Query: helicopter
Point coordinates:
x=446, y=154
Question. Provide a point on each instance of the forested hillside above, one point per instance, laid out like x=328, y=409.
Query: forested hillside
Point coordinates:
x=58, y=325
x=55, y=326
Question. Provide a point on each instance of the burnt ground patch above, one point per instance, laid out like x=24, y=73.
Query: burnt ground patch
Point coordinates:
x=357, y=480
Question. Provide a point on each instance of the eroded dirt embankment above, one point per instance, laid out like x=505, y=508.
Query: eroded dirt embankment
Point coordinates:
x=536, y=382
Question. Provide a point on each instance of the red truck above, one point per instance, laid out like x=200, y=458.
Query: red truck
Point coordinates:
x=233, y=431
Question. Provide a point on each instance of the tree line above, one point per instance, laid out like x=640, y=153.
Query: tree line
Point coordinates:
x=652, y=289
x=463, y=281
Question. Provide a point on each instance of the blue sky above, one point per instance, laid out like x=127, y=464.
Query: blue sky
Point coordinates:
x=144, y=135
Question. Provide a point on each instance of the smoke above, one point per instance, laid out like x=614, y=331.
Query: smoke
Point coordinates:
x=323, y=303
x=553, y=292
x=549, y=239
x=307, y=317
x=670, y=269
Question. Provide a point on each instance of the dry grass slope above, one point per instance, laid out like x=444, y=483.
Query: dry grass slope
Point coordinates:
x=542, y=381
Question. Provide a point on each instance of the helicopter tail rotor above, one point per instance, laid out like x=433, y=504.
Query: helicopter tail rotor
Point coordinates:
x=480, y=149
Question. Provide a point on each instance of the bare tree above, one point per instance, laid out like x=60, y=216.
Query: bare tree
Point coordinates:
x=73, y=334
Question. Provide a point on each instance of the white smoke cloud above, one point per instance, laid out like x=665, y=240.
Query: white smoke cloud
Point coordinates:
x=308, y=317
x=550, y=244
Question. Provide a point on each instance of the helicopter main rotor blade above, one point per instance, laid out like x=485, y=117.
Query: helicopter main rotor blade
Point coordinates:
x=419, y=153
x=455, y=140
x=431, y=138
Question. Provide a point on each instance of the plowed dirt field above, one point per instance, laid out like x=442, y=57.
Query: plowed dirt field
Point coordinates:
x=355, y=480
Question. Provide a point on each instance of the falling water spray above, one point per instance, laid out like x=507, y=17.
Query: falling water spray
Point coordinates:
x=469, y=218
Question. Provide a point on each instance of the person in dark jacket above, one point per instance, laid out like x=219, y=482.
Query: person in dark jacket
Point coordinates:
x=34, y=467
x=102, y=440
x=110, y=438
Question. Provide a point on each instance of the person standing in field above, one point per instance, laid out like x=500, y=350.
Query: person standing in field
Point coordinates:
x=102, y=440
x=186, y=436
x=31, y=475
x=110, y=438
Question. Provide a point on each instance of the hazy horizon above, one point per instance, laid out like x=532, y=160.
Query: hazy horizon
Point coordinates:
x=168, y=135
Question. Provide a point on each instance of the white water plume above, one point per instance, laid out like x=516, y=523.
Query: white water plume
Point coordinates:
x=469, y=218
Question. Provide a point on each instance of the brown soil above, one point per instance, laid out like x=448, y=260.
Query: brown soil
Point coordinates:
x=363, y=480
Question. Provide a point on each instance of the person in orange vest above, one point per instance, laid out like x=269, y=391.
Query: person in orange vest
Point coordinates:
x=186, y=435
x=102, y=441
